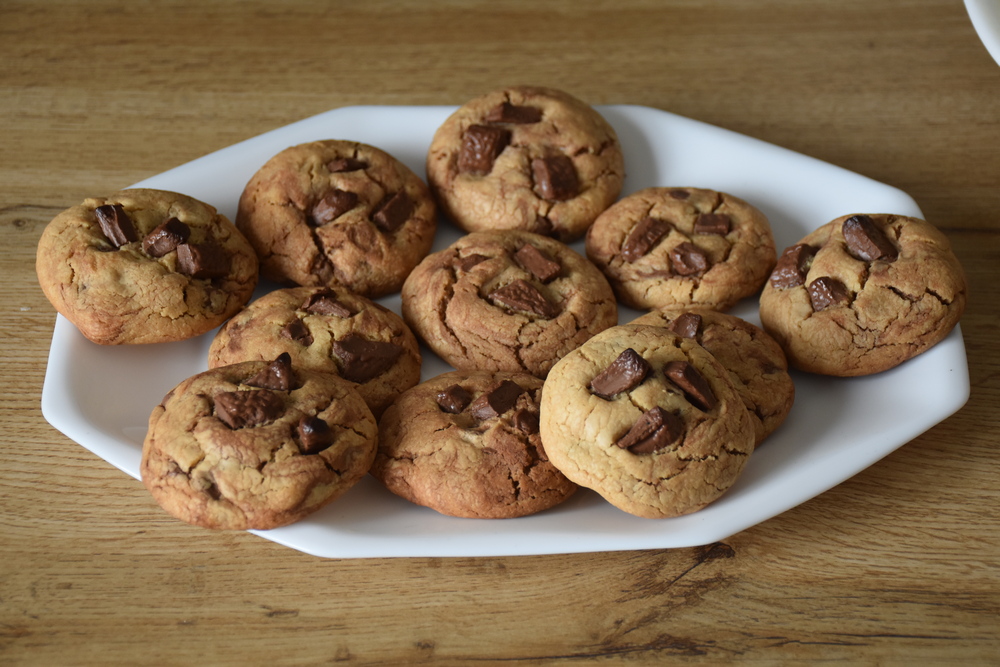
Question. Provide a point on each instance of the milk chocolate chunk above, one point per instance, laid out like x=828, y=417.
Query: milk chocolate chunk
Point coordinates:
x=680, y=194
x=555, y=177
x=866, y=240
x=243, y=409
x=278, y=375
x=792, y=266
x=537, y=262
x=520, y=295
x=825, y=292
x=115, y=224
x=315, y=435
x=392, y=212
x=165, y=237
x=643, y=237
x=506, y=112
x=466, y=263
x=654, y=430
x=623, y=374
x=364, y=359
x=696, y=389
x=496, y=401
x=342, y=164
x=687, y=259
x=202, y=260
x=454, y=399
x=686, y=325
x=712, y=223
x=481, y=145
x=525, y=420
x=325, y=302
x=334, y=204
x=298, y=331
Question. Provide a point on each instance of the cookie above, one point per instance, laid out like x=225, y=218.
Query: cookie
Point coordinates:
x=648, y=419
x=144, y=266
x=661, y=247
x=338, y=212
x=328, y=329
x=526, y=158
x=256, y=445
x=862, y=294
x=467, y=445
x=506, y=301
x=756, y=363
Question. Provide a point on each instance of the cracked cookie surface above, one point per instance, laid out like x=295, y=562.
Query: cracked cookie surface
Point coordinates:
x=863, y=293
x=506, y=301
x=227, y=449
x=338, y=212
x=662, y=246
x=648, y=419
x=467, y=445
x=528, y=158
x=144, y=266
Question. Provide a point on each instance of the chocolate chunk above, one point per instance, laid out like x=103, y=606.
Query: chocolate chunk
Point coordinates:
x=325, y=302
x=525, y=420
x=555, y=177
x=545, y=227
x=792, y=266
x=202, y=260
x=825, y=292
x=712, y=223
x=692, y=383
x=115, y=224
x=243, y=409
x=623, y=374
x=680, y=194
x=866, y=240
x=333, y=205
x=278, y=375
x=643, y=237
x=166, y=237
x=392, y=212
x=687, y=259
x=466, y=263
x=522, y=296
x=686, y=325
x=537, y=262
x=496, y=401
x=315, y=435
x=510, y=113
x=654, y=430
x=454, y=399
x=298, y=331
x=481, y=145
x=342, y=164
x=364, y=359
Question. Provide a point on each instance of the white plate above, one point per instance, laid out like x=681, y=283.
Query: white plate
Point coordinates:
x=101, y=396
x=985, y=17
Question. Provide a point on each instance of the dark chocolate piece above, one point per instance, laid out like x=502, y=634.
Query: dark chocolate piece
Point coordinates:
x=202, y=260
x=315, y=435
x=712, y=223
x=555, y=177
x=364, y=359
x=825, y=292
x=116, y=225
x=454, y=399
x=623, y=374
x=481, y=145
x=466, y=263
x=680, y=194
x=525, y=420
x=342, y=164
x=278, y=375
x=654, y=430
x=522, y=296
x=334, y=204
x=298, y=331
x=537, y=262
x=325, y=302
x=866, y=240
x=643, y=237
x=392, y=212
x=692, y=383
x=506, y=112
x=792, y=266
x=166, y=237
x=496, y=401
x=243, y=409
x=686, y=325
x=687, y=259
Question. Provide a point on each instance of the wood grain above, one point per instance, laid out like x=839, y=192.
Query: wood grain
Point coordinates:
x=898, y=565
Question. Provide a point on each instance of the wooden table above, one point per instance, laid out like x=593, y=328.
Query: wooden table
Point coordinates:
x=898, y=565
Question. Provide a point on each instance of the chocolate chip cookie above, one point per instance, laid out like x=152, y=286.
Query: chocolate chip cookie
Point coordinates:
x=527, y=158
x=648, y=419
x=256, y=445
x=328, y=329
x=661, y=247
x=338, y=212
x=506, y=301
x=144, y=266
x=863, y=293
x=467, y=445
x=755, y=362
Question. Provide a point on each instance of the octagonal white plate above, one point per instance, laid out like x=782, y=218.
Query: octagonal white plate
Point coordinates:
x=101, y=396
